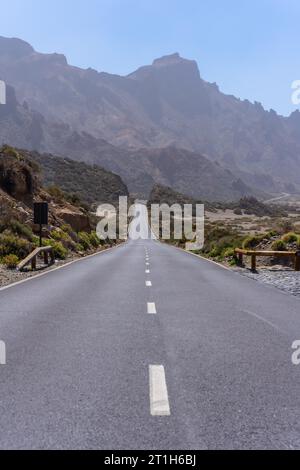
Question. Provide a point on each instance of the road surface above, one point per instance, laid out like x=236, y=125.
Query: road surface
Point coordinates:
x=148, y=347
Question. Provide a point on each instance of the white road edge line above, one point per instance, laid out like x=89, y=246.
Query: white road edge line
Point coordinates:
x=151, y=308
x=202, y=257
x=159, y=399
x=52, y=270
x=148, y=284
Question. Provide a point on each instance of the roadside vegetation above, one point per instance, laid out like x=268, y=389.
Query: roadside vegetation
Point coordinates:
x=251, y=225
x=71, y=229
x=17, y=240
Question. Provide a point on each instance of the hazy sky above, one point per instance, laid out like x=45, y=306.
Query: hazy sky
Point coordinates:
x=251, y=48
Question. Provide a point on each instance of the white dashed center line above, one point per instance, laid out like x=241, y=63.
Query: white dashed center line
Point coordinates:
x=147, y=271
x=159, y=400
x=148, y=284
x=151, y=308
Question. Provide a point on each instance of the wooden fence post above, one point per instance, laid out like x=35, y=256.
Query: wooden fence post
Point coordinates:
x=297, y=261
x=253, y=263
x=33, y=263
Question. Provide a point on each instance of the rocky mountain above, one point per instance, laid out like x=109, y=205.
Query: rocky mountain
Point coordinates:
x=166, y=104
x=181, y=169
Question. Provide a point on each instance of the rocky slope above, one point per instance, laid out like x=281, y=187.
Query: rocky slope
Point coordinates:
x=181, y=169
x=164, y=104
x=90, y=183
x=20, y=187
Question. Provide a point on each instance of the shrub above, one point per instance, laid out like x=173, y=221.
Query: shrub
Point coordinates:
x=36, y=240
x=56, y=192
x=59, y=250
x=214, y=252
x=10, y=261
x=9, y=151
x=220, y=239
x=12, y=245
x=21, y=229
x=94, y=240
x=84, y=240
x=59, y=235
x=290, y=237
x=273, y=233
x=56, y=235
x=253, y=240
x=79, y=248
x=66, y=228
x=229, y=253
x=64, y=238
x=279, y=245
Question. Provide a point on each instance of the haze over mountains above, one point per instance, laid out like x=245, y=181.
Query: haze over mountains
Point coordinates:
x=161, y=124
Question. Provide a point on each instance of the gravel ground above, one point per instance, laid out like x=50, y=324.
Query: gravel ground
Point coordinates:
x=9, y=276
x=285, y=279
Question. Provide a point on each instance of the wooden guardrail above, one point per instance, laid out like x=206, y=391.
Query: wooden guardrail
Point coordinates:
x=47, y=251
x=278, y=254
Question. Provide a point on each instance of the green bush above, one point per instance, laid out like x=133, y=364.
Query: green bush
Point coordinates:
x=279, y=245
x=94, y=240
x=273, y=233
x=229, y=253
x=12, y=245
x=84, y=240
x=79, y=248
x=253, y=240
x=59, y=250
x=20, y=229
x=56, y=235
x=66, y=228
x=214, y=252
x=10, y=261
x=290, y=237
x=59, y=235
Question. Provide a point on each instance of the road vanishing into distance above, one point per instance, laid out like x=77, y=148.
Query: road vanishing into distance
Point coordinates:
x=148, y=347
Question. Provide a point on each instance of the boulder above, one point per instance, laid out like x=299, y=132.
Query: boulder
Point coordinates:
x=78, y=220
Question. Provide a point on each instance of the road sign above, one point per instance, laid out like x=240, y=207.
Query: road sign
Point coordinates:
x=40, y=211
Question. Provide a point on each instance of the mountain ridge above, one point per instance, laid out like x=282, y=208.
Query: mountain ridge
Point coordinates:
x=163, y=105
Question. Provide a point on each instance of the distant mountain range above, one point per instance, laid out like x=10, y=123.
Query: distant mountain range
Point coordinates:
x=161, y=124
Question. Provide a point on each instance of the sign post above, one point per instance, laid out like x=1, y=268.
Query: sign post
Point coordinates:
x=41, y=210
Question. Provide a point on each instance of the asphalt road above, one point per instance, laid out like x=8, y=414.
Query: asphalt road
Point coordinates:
x=209, y=367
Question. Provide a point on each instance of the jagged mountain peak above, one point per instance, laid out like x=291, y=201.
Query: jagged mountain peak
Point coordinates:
x=168, y=64
x=171, y=59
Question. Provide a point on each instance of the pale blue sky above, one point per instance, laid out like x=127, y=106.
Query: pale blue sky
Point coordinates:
x=251, y=48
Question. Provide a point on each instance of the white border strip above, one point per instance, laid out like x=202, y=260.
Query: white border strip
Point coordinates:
x=36, y=276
